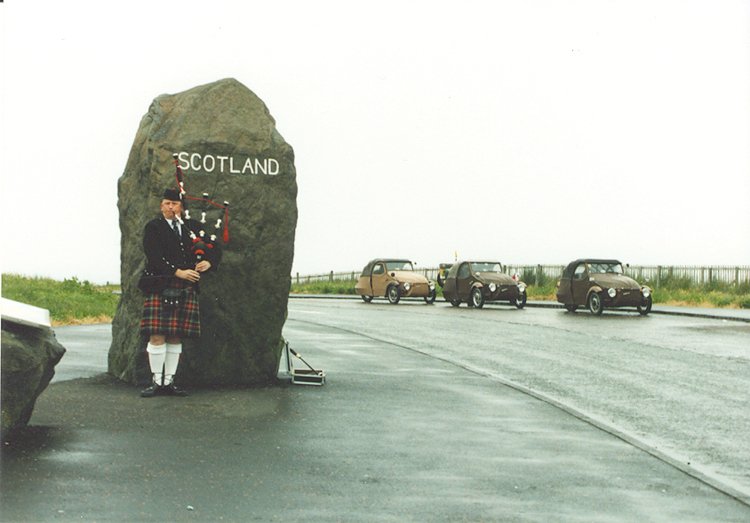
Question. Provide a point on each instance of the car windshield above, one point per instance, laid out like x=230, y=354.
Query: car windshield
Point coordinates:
x=486, y=267
x=399, y=265
x=602, y=268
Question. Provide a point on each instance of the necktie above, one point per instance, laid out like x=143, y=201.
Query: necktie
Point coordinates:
x=176, y=228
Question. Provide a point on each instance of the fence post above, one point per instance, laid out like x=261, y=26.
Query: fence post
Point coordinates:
x=710, y=275
x=297, y=278
x=736, y=276
x=330, y=277
x=658, y=276
x=538, y=275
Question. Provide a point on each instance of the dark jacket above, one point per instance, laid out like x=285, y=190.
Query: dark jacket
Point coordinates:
x=165, y=252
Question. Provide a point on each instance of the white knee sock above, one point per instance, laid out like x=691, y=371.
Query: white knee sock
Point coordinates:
x=171, y=361
x=156, y=356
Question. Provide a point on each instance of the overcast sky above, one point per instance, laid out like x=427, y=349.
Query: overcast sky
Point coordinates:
x=529, y=132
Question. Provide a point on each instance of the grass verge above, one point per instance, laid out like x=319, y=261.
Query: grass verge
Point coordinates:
x=70, y=302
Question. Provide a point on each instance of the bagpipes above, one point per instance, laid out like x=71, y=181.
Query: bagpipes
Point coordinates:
x=202, y=241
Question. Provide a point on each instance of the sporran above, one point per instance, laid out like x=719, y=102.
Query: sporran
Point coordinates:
x=150, y=282
x=172, y=299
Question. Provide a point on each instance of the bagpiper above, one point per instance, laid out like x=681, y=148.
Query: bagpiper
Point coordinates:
x=179, y=251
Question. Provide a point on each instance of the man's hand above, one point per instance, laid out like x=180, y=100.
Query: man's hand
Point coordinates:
x=203, y=266
x=188, y=274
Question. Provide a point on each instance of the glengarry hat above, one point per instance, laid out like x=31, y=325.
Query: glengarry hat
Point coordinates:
x=172, y=195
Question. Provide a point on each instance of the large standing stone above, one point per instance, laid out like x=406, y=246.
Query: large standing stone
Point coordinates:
x=228, y=146
x=29, y=355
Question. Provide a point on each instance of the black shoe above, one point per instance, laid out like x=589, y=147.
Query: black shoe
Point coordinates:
x=150, y=391
x=173, y=390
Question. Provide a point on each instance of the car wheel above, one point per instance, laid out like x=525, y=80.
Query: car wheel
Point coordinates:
x=455, y=303
x=520, y=301
x=571, y=307
x=477, y=298
x=392, y=294
x=595, y=303
x=431, y=297
x=366, y=299
x=645, y=308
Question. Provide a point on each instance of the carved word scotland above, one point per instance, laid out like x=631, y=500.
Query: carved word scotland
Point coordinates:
x=209, y=163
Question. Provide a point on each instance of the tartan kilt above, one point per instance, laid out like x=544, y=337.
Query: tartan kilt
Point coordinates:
x=182, y=322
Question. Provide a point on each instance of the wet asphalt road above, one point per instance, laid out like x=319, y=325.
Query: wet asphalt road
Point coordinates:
x=679, y=385
x=428, y=414
x=86, y=351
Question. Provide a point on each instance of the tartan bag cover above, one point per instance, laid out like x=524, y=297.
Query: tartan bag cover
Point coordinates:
x=182, y=322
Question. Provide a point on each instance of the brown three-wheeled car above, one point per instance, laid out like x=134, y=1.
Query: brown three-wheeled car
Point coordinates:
x=599, y=284
x=477, y=282
x=393, y=278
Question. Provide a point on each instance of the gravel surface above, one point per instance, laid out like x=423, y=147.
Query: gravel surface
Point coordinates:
x=677, y=384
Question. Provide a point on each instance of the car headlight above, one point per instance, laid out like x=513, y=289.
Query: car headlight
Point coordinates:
x=612, y=293
x=407, y=286
x=431, y=285
x=522, y=287
x=493, y=287
x=646, y=292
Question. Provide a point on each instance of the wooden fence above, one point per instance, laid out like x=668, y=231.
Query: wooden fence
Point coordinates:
x=655, y=275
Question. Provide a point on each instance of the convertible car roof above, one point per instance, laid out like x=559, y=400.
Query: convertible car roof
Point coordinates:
x=386, y=260
x=568, y=271
x=372, y=262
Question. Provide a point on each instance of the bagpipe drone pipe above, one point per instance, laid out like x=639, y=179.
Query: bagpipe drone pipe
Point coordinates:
x=212, y=217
